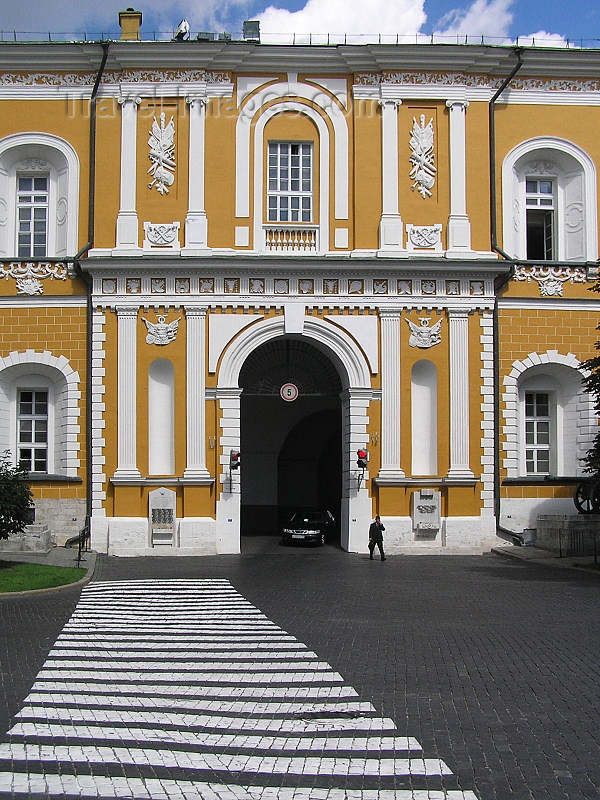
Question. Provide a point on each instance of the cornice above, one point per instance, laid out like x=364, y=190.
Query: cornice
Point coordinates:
x=488, y=62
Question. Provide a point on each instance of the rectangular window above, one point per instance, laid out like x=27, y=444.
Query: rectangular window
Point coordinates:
x=537, y=433
x=290, y=182
x=540, y=209
x=32, y=212
x=32, y=430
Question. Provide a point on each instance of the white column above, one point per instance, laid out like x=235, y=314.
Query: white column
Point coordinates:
x=126, y=394
x=195, y=395
x=390, y=394
x=196, y=223
x=127, y=221
x=459, y=227
x=458, y=321
x=390, y=225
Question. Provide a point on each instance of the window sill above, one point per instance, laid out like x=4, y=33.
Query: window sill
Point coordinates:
x=537, y=480
x=38, y=477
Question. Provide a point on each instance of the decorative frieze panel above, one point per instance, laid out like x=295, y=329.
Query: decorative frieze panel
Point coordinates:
x=434, y=288
x=114, y=77
x=551, y=279
x=476, y=81
x=30, y=274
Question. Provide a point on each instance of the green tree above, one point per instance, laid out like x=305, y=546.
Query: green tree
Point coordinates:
x=591, y=381
x=16, y=499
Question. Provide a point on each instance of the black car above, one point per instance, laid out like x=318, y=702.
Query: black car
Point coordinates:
x=309, y=526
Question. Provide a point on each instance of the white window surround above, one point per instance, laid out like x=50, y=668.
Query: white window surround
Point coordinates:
x=253, y=109
x=573, y=417
x=40, y=153
x=576, y=213
x=323, y=188
x=41, y=370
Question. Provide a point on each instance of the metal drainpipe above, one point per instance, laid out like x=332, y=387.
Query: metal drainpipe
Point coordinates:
x=494, y=244
x=85, y=278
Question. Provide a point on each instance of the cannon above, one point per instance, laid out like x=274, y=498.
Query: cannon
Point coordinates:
x=587, y=496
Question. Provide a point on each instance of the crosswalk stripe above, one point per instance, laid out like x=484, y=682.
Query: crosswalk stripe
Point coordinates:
x=324, y=723
x=188, y=679
x=226, y=707
x=95, y=754
x=215, y=677
x=180, y=736
x=195, y=690
x=152, y=788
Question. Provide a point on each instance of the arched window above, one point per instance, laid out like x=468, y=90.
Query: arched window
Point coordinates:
x=39, y=197
x=424, y=418
x=549, y=202
x=39, y=413
x=550, y=419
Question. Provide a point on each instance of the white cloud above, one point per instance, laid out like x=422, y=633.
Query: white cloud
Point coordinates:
x=490, y=18
x=543, y=39
x=403, y=18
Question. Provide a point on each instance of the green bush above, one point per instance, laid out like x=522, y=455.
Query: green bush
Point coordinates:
x=16, y=500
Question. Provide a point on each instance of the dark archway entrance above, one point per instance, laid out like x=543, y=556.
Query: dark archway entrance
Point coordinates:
x=291, y=450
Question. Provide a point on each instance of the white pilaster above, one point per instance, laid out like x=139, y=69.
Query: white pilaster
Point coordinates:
x=196, y=403
x=126, y=394
x=459, y=226
x=357, y=510
x=390, y=225
x=390, y=394
x=458, y=322
x=127, y=220
x=196, y=223
x=229, y=503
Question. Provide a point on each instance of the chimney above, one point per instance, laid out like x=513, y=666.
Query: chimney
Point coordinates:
x=130, y=22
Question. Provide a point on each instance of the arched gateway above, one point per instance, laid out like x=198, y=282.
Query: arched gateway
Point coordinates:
x=341, y=395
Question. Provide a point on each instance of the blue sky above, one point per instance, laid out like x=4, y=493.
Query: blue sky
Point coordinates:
x=552, y=22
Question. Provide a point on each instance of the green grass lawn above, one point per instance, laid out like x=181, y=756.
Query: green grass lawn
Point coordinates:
x=19, y=576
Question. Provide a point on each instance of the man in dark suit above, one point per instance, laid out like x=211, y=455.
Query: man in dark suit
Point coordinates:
x=376, y=537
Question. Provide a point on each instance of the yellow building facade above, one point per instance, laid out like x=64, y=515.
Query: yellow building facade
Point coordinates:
x=229, y=267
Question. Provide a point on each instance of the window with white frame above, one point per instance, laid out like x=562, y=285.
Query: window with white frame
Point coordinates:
x=39, y=187
x=540, y=204
x=549, y=202
x=32, y=214
x=32, y=429
x=290, y=182
x=39, y=413
x=538, y=433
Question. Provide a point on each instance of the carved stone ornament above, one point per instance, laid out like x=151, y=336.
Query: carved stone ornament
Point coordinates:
x=162, y=154
x=424, y=237
x=29, y=276
x=421, y=144
x=162, y=235
x=551, y=279
x=422, y=335
x=161, y=332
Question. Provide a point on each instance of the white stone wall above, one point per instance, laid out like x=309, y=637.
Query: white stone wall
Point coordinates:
x=65, y=517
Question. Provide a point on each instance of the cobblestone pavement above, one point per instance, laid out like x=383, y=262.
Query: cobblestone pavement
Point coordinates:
x=470, y=677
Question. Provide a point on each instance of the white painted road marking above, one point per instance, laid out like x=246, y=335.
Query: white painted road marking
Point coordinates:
x=188, y=675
